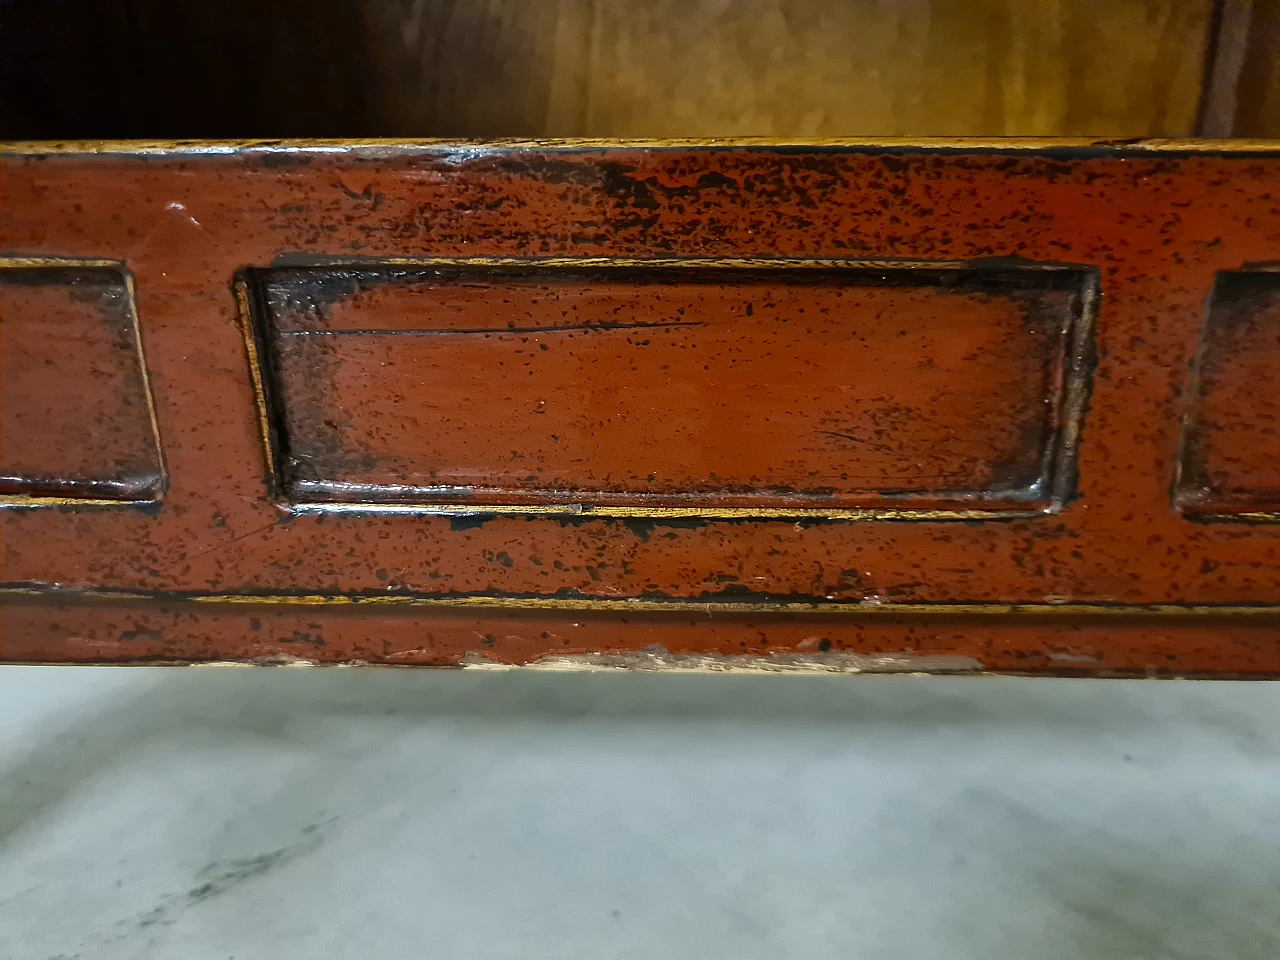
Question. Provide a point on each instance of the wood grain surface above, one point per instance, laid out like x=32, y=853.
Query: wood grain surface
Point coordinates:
x=662, y=68
x=789, y=68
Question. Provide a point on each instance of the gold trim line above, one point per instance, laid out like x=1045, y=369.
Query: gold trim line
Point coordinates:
x=481, y=146
x=692, y=513
x=245, y=319
x=641, y=604
x=26, y=500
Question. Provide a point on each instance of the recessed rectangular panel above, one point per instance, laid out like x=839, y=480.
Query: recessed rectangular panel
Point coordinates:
x=798, y=387
x=1229, y=465
x=75, y=412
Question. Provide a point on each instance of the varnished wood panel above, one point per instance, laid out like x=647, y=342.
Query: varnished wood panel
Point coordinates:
x=715, y=389
x=693, y=68
x=1230, y=457
x=1241, y=88
x=1118, y=580
x=75, y=406
x=788, y=68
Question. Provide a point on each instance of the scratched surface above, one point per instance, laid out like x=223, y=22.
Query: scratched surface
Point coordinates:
x=678, y=387
x=1156, y=226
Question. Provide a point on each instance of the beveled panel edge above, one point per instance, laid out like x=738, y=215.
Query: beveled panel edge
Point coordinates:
x=1194, y=395
x=18, y=501
x=1079, y=363
x=1060, y=458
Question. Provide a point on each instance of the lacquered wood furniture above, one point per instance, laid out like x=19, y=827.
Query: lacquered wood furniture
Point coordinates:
x=946, y=406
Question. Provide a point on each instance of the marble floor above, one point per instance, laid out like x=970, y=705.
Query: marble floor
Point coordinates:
x=216, y=813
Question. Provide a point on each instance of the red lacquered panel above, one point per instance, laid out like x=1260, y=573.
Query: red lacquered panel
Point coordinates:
x=936, y=407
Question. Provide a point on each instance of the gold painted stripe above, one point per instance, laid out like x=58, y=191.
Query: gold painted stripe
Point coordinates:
x=132, y=291
x=640, y=604
x=727, y=263
x=1246, y=516
x=479, y=147
x=18, y=263
x=694, y=513
x=25, y=500
x=245, y=318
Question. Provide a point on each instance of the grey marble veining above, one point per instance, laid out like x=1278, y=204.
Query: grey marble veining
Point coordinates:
x=258, y=813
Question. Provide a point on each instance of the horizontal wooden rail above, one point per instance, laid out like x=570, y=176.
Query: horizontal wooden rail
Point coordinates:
x=937, y=406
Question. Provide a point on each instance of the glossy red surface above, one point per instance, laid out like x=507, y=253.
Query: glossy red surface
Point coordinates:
x=724, y=386
x=1230, y=457
x=75, y=418
x=1156, y=226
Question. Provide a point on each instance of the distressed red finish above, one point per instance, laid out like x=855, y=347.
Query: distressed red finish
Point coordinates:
x=75, y=412
x=702, y=388
x=1229, y=464
x=1098, y=570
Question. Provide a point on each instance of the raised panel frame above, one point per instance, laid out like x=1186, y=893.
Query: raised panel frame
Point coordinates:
x=1071, y=382
x=76, y=492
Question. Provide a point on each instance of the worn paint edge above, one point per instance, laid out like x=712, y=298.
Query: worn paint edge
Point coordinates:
x=22, y=501
x=1079, y=363
x=658, y=659
x=645, y=605
x=1230, y=516
x=729, y=263
x=17, y=263
x=245, y=322
x=287, y=660
x=587, y=511
x=145, y=372
x=481, y=147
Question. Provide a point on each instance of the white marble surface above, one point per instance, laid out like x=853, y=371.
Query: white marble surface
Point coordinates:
x=251, y=814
